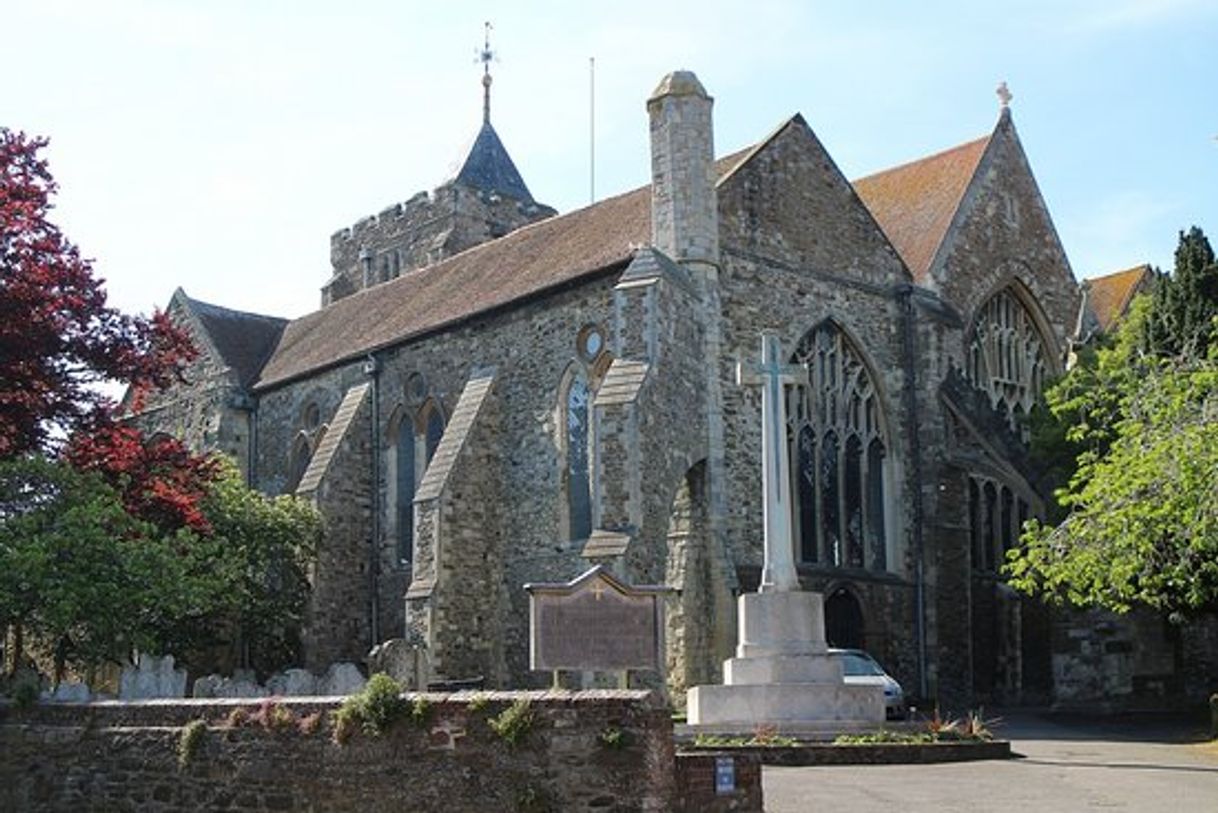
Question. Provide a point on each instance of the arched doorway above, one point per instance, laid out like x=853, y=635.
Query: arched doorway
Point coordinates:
x=844, y=620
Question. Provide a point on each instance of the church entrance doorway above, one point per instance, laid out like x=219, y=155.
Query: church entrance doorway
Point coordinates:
x=843, y=620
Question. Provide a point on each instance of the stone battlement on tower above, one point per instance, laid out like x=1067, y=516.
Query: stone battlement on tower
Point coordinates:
x=421, y=231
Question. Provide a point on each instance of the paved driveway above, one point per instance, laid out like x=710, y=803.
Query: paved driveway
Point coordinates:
x=1065, y=766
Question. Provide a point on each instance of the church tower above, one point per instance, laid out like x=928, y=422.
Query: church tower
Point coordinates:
x=487, y=198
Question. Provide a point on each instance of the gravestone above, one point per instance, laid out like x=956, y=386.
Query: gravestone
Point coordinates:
x=596, y=623
x=402, y=660
x=151, y=678
x=340, y=680
x=69, y=692
x=292, y=683
x=782, y=674
x=220, y=686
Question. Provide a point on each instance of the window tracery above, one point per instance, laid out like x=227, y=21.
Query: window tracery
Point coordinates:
x=1006, y=357
x=838, y=455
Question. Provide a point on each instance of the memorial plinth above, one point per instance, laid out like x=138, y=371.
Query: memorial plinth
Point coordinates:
x=782, y=674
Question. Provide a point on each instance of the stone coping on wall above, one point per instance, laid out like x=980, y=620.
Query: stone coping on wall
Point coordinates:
x=179, y=711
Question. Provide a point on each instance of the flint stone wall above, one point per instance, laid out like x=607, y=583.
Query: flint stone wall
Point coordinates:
x=125, y=756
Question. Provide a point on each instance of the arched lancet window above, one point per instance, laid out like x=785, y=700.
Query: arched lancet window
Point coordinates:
x=433, y=432
x=402, y=468
x=996, y=517
x=412, y=443
x=838, y=455
x=576, y=405
x=1006, y=357
x=298, y=460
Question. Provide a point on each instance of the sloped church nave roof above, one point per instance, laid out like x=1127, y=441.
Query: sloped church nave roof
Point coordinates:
x=914, y=205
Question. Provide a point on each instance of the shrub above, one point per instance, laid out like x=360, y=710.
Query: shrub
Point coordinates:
x=513, y=723
x=190, y=741
x=420, y=711
x=376, y=709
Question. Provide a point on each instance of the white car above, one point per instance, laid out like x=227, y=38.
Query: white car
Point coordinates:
x=860, y=669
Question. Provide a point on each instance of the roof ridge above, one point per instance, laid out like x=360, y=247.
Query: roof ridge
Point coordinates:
x=233, y=311
x=925, y=158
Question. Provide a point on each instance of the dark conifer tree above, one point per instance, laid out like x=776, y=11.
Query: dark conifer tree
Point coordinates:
x=1186, y=303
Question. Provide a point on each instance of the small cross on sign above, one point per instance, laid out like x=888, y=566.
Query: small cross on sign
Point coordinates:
x=598, y=590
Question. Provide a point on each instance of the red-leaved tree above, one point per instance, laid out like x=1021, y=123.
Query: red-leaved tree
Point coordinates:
x=160, y=480
x=58, y=338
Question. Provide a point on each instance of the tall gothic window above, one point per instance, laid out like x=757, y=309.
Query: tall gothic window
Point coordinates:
x=414, y=444
x=996, y=518
x=579, y=497
x=404, y=486
x=1006, y=357
x=838, y=454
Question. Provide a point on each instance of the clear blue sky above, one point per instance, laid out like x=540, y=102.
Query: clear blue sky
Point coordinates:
x=216, y=145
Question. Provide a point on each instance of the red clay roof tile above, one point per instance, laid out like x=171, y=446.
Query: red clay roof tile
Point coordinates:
x=1110, y=295
x=914, y=203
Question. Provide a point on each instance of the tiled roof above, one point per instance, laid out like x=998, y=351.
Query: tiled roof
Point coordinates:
x=526, y=262
x=914, y=203
x=1109, y=296
x=243, y=340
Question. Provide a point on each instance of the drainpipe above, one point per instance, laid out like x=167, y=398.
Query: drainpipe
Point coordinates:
x=905, y=299
x=251, y=465
x=372, y=369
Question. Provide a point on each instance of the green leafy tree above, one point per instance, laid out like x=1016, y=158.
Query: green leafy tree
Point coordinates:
x=265, y=544
x=78, y=574
x=1133, y=430
x=83, y=579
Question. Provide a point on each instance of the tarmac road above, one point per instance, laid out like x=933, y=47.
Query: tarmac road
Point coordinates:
x=1066, y=765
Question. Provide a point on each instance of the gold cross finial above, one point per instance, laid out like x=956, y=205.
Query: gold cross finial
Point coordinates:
x=598, y=590
x=1004, y=95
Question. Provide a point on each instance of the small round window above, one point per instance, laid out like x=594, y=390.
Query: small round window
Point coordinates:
x=416, y=388
x=590, y=342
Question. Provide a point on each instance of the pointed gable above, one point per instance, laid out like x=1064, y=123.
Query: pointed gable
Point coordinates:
x=242, y=341
x=786, y=199
x=915, y=203
x=489, y=168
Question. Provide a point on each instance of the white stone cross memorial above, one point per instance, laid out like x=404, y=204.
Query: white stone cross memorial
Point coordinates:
x=782, y=673
x=778, y=571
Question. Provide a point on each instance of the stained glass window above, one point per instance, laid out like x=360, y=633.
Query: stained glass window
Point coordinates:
x=838, y=455
x=579, y=499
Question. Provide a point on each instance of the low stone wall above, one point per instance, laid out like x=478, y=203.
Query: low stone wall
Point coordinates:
x=593, y=750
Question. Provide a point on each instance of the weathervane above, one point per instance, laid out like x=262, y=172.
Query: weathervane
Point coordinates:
x=485, y=56
x=1004, y=94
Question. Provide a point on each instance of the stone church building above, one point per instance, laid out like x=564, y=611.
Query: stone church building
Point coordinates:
x=492, y=394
